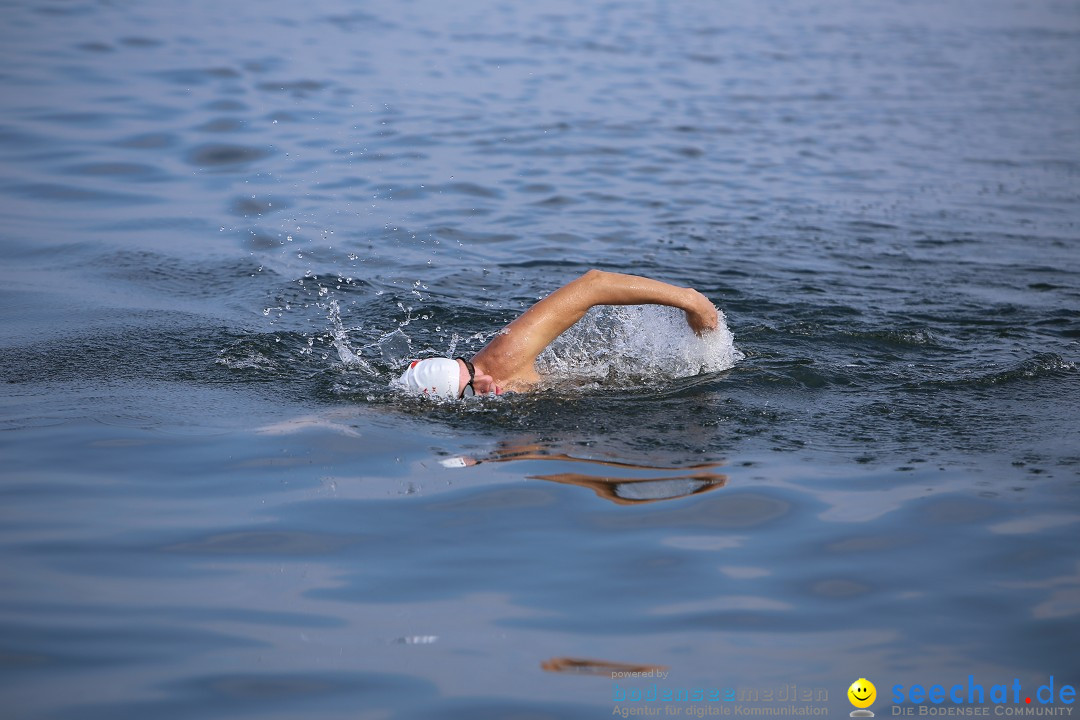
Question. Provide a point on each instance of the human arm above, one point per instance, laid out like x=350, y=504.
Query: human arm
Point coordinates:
x=515, y=349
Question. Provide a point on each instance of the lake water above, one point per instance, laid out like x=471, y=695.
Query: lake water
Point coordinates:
x=225, y=226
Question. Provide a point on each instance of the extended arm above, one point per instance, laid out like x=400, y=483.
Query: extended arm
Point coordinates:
x=515, y=349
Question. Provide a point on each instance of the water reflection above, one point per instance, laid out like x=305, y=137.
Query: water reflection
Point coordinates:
x=579, y=666
x=632, y=491
x=622, y=490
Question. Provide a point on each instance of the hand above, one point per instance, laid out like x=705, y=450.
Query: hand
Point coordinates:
x=700, y=313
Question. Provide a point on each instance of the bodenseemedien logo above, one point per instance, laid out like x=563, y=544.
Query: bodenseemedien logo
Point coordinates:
x=862, y=694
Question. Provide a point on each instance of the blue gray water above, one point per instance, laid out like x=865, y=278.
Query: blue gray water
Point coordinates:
x=225, y=225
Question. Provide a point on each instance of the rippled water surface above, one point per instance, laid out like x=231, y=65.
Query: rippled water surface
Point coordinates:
x=226, y=226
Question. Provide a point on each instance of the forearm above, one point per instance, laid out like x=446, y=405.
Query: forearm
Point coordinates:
x=618, y=289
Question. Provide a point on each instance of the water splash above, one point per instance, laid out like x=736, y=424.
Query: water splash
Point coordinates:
x=625, y=346
x=348, y=356
x=384, y=349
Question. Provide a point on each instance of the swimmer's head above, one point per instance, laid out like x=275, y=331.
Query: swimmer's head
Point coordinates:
x=438, y=377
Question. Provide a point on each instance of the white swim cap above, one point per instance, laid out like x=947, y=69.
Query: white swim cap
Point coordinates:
x=439, y=377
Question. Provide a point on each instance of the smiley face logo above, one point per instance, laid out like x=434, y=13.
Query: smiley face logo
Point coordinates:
x=862, y=693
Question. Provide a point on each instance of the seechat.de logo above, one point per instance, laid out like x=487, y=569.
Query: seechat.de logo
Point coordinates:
x=975, y=693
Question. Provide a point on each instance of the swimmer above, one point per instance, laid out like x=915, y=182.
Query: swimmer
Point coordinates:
x=508, y=362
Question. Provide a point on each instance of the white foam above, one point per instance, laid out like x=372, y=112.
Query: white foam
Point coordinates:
x=621, y=346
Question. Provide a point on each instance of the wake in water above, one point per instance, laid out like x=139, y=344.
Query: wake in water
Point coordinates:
x=617, y=347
